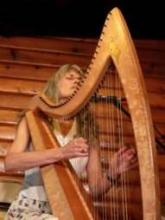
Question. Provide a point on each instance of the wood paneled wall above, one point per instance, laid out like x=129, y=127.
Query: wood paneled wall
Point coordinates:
x=26, y=63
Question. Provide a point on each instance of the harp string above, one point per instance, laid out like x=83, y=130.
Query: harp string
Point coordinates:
x=111, y=148
x=106, y=131
x=103, y=128
x=111, y=124
x=85, y=133
x=121, y=144
x=110, y=120
x=95, y=141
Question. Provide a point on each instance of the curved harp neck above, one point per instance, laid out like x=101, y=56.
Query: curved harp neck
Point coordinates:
x=105, y=51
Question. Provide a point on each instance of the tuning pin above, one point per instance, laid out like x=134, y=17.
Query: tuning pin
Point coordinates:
x=79, y=84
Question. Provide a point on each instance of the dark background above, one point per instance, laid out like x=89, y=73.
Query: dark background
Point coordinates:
x=79, y=18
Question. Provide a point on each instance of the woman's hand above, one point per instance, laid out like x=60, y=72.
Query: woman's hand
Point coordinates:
x=123, y=160
x=78, y=147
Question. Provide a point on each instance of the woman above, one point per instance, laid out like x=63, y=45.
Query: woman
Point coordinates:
x=32, y=202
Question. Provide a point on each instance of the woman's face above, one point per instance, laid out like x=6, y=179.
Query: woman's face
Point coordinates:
x=68, y=84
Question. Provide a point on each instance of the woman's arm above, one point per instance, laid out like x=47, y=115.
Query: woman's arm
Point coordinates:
x=18, y=159
x=97, y=180
x=100, y=182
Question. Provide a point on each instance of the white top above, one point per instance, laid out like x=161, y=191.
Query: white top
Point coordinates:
x=33, y=184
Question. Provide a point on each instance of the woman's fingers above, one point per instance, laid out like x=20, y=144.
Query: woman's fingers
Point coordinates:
x=126, y=159
x=126, y=153
x=81, y=145
x=76, y=148
x=133, y=163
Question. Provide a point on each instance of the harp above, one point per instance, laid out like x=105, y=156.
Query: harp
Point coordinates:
x=116, y=47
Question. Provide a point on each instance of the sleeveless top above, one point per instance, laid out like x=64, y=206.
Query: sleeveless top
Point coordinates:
x=33, y=184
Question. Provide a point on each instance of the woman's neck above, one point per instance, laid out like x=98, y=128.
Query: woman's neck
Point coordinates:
x=65, y=125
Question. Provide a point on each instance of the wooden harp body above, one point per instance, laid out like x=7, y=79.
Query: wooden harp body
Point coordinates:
x=115, y=45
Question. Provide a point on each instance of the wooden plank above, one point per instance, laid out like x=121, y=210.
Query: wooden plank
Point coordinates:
x=47, y=57
x=103, y=112
x=24, y=71
x=7, y=132
x=20, y=62
x=154, y=84
x=148, y=55
x=114, y=120
x=9, y=116
x=161, y=159
x=157, y=100
x=158, y=115
x=4, y=146
x=160, y=127
x=28, y=87
x=144, y=44
x=153, y=69
x=56, y=43
x=14, y=101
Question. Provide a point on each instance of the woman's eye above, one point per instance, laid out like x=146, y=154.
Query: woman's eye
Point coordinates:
x=67, y=77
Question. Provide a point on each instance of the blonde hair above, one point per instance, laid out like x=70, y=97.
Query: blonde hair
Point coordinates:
x=51, y=89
